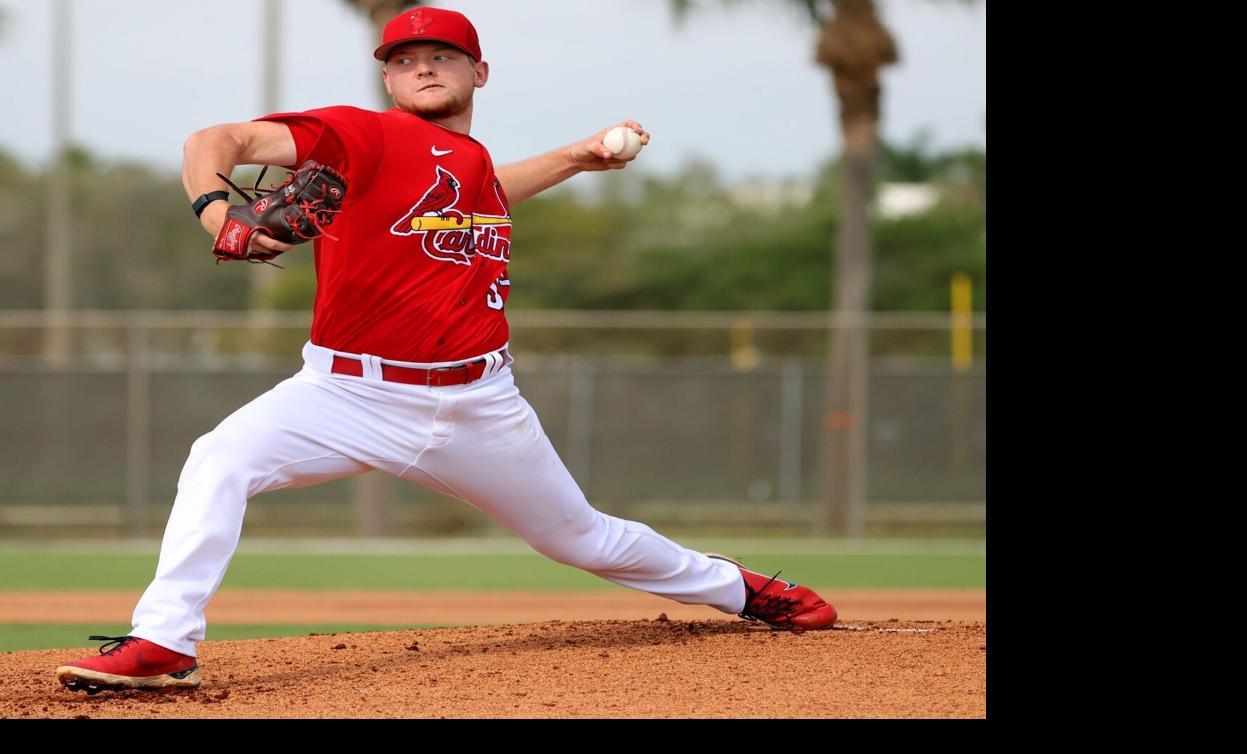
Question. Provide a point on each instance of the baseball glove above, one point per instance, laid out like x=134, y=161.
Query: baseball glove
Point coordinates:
x=294, y=212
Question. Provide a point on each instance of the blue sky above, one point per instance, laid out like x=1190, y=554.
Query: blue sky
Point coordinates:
x=737, y=88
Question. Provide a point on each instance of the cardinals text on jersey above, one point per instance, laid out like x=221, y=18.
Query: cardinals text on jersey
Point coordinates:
x=446, y=233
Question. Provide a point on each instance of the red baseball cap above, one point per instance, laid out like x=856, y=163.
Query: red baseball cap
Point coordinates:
x=429, y=25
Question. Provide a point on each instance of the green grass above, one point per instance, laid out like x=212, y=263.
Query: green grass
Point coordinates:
x=82, y=571
x=840, y=566
x=15, y=637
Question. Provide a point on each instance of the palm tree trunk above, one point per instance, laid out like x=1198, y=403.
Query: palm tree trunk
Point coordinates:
x=846, y=426
x=854, y=45
x=379, y=13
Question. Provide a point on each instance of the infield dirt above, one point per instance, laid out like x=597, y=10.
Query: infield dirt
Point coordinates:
x=615, y=668
x=895, y=653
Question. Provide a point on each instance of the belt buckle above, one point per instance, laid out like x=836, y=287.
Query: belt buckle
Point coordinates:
x=444, y=370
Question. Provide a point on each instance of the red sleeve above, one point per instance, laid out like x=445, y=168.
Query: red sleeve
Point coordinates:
x=348, y=139
x=494, y=184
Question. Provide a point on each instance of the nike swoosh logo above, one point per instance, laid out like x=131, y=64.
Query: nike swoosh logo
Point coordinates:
x=437, y=153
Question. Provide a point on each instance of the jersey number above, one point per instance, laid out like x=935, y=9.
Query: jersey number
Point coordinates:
x=493, y=299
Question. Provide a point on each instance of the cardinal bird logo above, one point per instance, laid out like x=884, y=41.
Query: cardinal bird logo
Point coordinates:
x=418, y=22
x=445, y=232
x=441, y=196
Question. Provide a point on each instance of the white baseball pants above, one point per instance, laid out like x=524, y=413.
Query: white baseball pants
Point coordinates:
x=481, y=443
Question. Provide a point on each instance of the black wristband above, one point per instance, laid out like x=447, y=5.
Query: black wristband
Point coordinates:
x=206, y=199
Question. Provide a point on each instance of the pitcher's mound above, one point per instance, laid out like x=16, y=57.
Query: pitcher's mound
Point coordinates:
x=607, y=668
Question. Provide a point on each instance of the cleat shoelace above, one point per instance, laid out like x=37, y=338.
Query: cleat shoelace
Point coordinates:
x=112, y=643
x=769, y=609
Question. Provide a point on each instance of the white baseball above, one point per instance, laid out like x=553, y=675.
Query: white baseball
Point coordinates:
x=622, y=141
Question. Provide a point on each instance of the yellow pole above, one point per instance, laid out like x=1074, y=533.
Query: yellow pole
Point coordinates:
x=962, y=332
x=744, y=352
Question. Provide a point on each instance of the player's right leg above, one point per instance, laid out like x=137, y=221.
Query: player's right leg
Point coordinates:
x=287, y=437
x=309, y=429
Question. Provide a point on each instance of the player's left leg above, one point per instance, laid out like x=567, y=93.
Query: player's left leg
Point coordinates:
x=498, y=459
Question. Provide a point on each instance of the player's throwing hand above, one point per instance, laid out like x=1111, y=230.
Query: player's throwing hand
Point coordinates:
x=592, y=155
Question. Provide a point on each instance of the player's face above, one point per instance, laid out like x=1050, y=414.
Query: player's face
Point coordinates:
x=433, y=80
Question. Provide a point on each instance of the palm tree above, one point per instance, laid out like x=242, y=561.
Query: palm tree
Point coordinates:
x=380, y=12
x=854, y=45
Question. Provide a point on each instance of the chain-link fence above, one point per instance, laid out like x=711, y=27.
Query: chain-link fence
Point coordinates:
x=707, y=419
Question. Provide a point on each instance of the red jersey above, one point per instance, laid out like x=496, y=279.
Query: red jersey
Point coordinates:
x=419, y=270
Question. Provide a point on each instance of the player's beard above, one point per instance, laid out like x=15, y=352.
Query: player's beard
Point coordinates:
x=447, y=108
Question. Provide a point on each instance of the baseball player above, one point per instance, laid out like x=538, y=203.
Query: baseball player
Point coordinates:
x=407, y=369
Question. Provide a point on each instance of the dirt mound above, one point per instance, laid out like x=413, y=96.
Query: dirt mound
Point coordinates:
x=613, y=668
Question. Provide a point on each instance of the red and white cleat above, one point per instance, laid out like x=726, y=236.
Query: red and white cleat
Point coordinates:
x=781, y=604
x=128, y=662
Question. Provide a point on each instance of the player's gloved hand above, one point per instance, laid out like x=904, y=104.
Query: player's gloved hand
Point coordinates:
x=590, y=154
x=213, y=219
x=272, y=221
